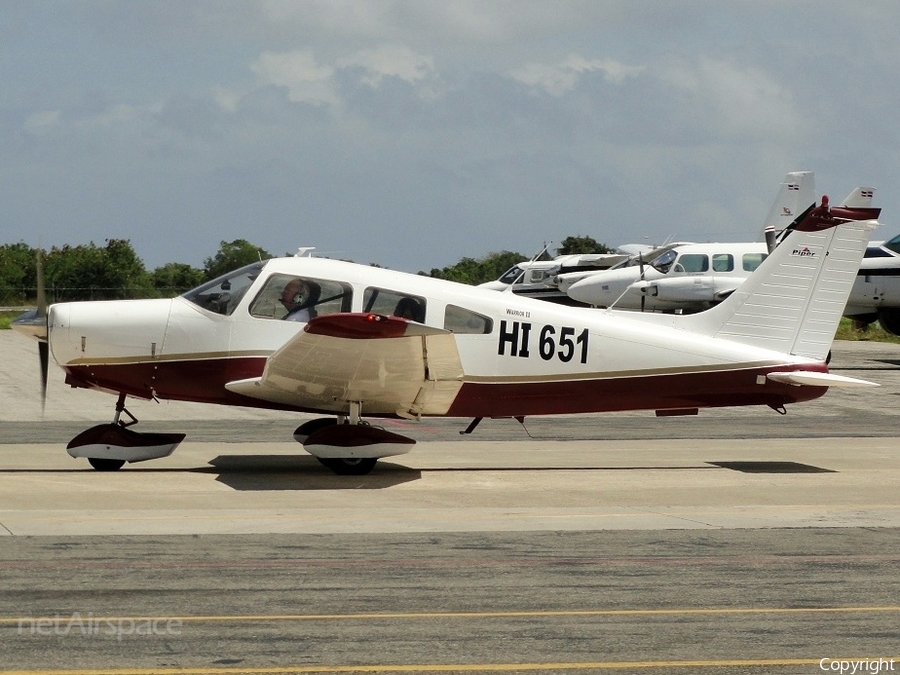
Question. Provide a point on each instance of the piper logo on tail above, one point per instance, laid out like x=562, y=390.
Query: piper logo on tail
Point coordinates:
x=803, y=252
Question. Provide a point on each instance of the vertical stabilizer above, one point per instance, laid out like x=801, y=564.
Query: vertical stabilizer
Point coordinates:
x=794, y=301
x=861, y=197
x=796, y=194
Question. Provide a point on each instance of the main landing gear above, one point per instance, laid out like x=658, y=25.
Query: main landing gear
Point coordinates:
x=108, y=446
x=349, y=446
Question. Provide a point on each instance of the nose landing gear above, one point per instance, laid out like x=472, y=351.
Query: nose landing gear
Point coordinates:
x=108, y=446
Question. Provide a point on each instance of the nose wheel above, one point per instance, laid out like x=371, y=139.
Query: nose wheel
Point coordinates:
x=108, y=446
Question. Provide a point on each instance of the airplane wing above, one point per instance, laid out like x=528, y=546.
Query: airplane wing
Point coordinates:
x=390, y=365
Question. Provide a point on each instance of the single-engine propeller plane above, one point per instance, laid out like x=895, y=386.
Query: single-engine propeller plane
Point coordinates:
x=357, y=343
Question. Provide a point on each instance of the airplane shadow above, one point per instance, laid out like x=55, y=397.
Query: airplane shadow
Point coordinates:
x=771, y=467
x=301, y=473
x=889, y=362
x=741, y=466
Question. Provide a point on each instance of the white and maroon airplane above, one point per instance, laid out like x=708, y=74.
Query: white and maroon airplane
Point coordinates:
x=366, y=342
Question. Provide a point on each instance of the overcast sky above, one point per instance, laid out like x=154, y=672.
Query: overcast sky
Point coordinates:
x=412, y=134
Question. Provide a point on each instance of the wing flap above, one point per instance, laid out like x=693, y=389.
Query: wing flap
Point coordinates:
x=391, y=365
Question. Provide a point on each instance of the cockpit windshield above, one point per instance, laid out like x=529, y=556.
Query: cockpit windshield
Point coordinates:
x=633, y=261
x=664, y=262
x=893, y=244
x=510, y=275
x=222, y=295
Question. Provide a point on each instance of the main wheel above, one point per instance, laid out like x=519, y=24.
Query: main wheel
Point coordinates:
x=889, y=318
x=355, y=466
x=106, y=464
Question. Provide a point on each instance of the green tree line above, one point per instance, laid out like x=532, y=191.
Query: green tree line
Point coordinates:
x=114, y=271
x=491, y=266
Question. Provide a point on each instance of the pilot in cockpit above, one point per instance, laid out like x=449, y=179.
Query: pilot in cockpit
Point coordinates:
x=299, y=298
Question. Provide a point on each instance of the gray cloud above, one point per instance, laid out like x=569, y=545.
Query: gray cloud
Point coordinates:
x=454, y=128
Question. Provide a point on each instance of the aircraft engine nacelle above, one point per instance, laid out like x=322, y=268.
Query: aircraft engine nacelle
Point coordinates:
x=602, y=289
x=684, y=289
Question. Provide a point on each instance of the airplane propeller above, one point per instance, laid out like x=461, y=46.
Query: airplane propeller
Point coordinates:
x=770, y=236
x=34, y=323
x=41, y=314
x=643, y=291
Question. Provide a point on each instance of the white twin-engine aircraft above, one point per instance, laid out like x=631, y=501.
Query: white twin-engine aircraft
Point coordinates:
x=682, y=278
x=347, y=340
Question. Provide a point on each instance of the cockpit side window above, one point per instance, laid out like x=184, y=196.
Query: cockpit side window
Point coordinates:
x=462, y=320
x=223, y=294
x=298, y=298
x=692, y=262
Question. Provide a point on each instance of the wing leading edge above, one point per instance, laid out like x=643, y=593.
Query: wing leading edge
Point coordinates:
x=389, y=365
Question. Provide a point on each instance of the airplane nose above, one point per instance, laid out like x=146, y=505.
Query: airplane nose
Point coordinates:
x=58, y=321
x=96, y=332
x=58, y=314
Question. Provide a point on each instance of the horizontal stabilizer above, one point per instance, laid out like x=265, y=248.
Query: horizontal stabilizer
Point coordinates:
x=815, y=379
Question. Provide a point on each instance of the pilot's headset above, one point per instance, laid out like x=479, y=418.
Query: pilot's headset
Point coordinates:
x=300, y=296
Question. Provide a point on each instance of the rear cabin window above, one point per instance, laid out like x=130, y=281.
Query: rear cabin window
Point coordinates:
x=538, y=276
x=392, y=303
x=723, y=262
x=750, y=261
x=319, y=297
x=461, y=320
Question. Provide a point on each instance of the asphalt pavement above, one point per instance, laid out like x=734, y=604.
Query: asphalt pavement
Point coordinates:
x=736, y=541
